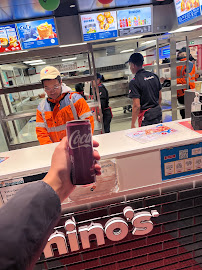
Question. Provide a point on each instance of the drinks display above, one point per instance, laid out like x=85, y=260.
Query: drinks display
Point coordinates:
x=81, y=152
x=134, y=21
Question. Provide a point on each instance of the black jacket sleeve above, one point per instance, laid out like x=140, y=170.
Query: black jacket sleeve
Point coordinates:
x=26, y=221
x=104, y=98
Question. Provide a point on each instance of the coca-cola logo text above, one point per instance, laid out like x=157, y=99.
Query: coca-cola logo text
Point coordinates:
x=77, y=140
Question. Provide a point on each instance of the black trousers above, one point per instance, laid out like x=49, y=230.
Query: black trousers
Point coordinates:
x=107, y=117
x=182, y=111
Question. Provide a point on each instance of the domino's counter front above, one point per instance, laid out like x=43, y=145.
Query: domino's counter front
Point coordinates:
x=145, y=211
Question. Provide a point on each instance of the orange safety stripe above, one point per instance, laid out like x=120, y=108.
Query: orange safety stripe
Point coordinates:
x=181, y=78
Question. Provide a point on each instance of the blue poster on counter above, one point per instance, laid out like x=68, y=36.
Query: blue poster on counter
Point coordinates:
x=37, y=34
x=187, y=10
x=181, y=161
x=100, y=25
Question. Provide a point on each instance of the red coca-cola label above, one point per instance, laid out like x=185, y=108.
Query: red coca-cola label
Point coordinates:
x=77, y=140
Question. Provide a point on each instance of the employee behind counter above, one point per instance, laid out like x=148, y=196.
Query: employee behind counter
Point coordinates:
x=61, y=105
x=145, y=90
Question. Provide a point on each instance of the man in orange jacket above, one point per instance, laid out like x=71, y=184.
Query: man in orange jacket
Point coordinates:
x=181, y=77
x=61, y=106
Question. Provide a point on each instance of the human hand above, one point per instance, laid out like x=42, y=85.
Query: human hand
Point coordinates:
x=162, y=80
x=58, y=176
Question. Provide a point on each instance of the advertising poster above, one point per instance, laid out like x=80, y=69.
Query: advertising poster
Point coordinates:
x=134, y=21
x=151, y=134
x=9, y=188
x=9, y=40
x=100, y=25
x=36, y=34
x=181, y=161
x=187, y=10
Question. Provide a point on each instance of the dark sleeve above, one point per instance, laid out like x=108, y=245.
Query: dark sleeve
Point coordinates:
x=134, y=91
x=103, y=96
x=26, y=222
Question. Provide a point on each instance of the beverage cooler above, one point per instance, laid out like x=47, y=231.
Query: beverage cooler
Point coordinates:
x=144, y=212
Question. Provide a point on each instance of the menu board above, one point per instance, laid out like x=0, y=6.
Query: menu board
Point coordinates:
x=134, y=21
x=9, y=41
x=187, y=10
x=181, y=161
x=98, y=26
x=36, y=34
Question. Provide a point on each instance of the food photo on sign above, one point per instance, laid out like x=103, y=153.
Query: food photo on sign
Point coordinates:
x=187, y=10
x=36, y=34
x=99, y=25
x=9, y=39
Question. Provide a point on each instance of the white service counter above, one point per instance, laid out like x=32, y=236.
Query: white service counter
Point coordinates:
x=138, y=165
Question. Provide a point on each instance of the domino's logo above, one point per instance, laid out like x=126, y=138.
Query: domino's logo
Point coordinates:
x=46, y=71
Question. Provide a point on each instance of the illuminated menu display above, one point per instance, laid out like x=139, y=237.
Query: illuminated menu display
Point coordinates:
x=98, y=26
x=134, y=21
x=9, y=41
x=36, y=34
x=187, y=10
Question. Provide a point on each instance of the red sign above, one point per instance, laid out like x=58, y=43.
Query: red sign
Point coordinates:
x=187, y=124
x=9, y=41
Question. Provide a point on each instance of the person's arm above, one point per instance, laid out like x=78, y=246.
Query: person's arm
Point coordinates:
x=83, y=110
x=41, y=131
x=160, y=97
x=135, y=111
x=134, y=93
x=28, y=219
x=103, y=96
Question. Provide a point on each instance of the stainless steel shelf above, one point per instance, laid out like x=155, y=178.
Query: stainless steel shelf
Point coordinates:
x=16, y=116
x=180, y=86
x=31, y=87
x=166, y=89
x=92, y=104
x=166, y=65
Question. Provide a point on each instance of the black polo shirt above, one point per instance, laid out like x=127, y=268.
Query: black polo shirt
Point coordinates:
x=145, y=86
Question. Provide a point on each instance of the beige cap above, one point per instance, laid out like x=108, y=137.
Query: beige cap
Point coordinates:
x=49, y=72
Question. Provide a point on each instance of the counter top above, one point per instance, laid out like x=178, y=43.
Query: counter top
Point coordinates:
x=37, y=159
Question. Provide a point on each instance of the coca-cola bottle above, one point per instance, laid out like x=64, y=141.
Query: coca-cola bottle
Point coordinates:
x=81, y=152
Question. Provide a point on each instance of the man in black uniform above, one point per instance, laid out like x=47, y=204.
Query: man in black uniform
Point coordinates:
x=145, y=90
x=104, y=99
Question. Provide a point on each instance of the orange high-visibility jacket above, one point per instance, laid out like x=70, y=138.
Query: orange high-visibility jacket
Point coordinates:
x=51, y=122
x=181, y=77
